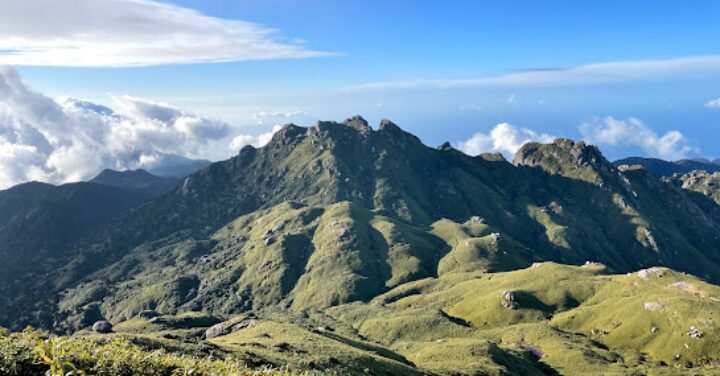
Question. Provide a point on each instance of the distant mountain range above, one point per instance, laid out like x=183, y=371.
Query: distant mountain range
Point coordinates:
x=177, y=166
x=368, y=252
x=662, y=168
x=136, y=181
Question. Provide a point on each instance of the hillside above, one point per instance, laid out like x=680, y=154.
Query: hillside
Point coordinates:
x=406, y=251
x=547, y=319
x=38, y=222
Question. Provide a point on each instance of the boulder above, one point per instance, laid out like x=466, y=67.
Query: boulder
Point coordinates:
x=508, y=300
x=242, y=325
x=102, y=327
x=216, y=330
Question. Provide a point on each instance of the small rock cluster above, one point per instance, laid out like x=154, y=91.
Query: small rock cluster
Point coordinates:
x=508, y=300
x=646, y=274
x=695, y=332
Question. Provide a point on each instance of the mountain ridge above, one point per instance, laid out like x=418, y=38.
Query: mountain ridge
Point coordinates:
x=388, y=172
x=360, y=229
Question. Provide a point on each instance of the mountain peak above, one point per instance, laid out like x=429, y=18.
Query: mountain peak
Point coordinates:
x=565, y=157
x=358, y=123
x=388, y=126
x=288, y=134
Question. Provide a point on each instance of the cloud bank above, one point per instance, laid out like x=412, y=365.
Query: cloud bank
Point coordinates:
x=66, y=140
x=633, y=132
x=507, y=139
x=503, y=138
x=239, y=141
x=113, y=33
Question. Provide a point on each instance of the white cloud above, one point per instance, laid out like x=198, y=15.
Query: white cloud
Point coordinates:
x=239, y=141
x=715, y=103
x=67, y=139
x=633, y=132
x=504, y=138
x=591, y=74
x=97, y=33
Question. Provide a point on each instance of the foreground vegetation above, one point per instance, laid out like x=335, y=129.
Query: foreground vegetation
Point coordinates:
x=34, y=353
x=547, y=319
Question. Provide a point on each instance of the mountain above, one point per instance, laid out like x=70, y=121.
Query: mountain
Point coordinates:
x=176, y=166
x=136, y=181
x=346, y=248
x=662, y=168
x=38, y=221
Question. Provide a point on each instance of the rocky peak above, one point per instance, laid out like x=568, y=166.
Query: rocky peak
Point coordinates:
x=289, y=134
x=358, y=123
x=445, y=146
x=396, y=135
x=493, y=157
x=565, y=157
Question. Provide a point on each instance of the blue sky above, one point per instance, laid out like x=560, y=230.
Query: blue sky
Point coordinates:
x=442, y=70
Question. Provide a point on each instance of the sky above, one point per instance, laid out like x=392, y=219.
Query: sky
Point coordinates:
x=88, y=84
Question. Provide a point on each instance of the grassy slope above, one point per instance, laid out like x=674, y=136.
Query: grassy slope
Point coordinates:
x=564, y=320
x=580, y=319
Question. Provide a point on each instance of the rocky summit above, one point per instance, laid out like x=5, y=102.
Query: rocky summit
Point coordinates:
x=344, y=249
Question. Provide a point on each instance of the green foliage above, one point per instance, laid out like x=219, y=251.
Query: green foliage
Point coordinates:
x=33, y=353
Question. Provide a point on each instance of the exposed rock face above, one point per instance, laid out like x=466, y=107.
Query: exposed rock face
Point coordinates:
x=699, y=181
x=102, y=327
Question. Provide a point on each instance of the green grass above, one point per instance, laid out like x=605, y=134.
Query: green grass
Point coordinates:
x=581, y=320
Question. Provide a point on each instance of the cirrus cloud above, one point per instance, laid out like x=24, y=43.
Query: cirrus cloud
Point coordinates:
x=112, y=33
x=582, y=75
